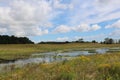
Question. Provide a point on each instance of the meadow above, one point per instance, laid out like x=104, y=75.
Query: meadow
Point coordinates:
x=20, y=51
x=90, y=67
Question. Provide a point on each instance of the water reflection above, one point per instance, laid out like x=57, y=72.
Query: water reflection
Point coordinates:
x=102, y=50
x=54, y=57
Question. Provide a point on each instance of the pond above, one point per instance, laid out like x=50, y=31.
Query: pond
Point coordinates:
x=55, y=57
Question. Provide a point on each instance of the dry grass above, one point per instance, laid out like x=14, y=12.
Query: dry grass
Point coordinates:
x=92, y=67
x=14, y=51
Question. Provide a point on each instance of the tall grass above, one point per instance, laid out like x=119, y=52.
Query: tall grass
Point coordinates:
x=92, y=67
x=14, y=51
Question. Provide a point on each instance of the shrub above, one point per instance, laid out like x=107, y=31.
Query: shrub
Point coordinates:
x=109, y=71
x=66, y=76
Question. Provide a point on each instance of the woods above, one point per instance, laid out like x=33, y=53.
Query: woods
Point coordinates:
x=5, y=39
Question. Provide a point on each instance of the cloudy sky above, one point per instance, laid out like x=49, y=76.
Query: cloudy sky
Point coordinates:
x=60, y=20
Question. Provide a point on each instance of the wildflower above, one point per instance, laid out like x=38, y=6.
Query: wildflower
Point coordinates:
x=104, y=66
x=84, y=59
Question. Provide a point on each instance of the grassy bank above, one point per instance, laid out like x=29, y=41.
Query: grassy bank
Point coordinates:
x=92, y=67
x=15, y=51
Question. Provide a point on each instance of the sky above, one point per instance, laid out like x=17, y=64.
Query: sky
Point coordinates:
x=60, y=20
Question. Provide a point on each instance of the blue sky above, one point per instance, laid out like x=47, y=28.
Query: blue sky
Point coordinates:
x=60, y=20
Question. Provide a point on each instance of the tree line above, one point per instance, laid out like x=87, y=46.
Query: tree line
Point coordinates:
x=111, y=41
x=5, y=39
x=81, y=40
x=106, y=41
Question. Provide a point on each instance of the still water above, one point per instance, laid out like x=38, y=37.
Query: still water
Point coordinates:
x=55, y=57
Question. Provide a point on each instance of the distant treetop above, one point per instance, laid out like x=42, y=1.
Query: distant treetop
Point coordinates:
x=5, y=39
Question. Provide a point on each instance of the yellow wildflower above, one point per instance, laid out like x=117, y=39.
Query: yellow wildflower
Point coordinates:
x=83, y=58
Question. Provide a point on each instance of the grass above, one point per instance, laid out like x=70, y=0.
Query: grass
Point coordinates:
x=15, y=51
x=90, y=67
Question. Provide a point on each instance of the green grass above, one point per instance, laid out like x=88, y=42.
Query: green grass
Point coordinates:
x=15, y=51
x=92, y=67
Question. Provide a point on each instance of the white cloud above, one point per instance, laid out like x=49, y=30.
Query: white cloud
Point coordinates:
x=79, y=28
x=86, y=28
x=36, y=17
x=30, y=17
x=62, y=29
x=95, y=27
x=115, y=33
x=23, y=18
x=116, y=30
x=26, y=31
x=97, y=37
x=82, y=28
x=58, y=5
x=94, y=11
x=3, y=30
x=63, y=39
x=114, y=25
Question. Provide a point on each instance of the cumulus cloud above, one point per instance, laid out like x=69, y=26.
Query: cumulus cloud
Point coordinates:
x=79, y=28
x=86, y=28
x=97, y=37
x=62, y=39
x=23, y=18
x=115, y=33
x=82, y=28
x=36, y=17
x=95, y=27
x=29, y=17
x=92, y=37
x=114, y=25
x=3, y=30
x=62, y=29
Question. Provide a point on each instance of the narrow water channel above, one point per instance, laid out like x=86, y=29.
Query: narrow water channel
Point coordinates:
x=55, y=56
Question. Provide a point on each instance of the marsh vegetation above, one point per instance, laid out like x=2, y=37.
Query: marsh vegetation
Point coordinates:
x=72, y=64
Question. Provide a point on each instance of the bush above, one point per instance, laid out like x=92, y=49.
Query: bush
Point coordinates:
x=66, y=76
x=109, y=71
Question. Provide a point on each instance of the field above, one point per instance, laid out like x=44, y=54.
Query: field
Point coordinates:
x=16, y=51
x=91, y=67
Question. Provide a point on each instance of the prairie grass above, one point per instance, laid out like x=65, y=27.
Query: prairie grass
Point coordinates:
x=15, y=51
x=92, y=67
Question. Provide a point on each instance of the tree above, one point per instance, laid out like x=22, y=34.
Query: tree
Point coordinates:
x=93, y=41
x=106, y=40
x=80, y=40
x=109, y=41
x=119, y=41
x=5, y=39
